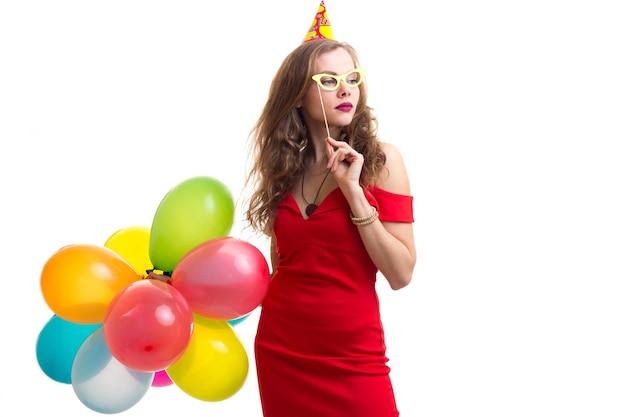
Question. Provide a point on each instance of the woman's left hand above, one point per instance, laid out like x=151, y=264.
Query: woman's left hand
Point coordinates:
x=344, y=162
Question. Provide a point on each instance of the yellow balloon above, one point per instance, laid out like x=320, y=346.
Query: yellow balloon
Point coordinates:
x=78, y=282
x=133, y=244
x=215, y=364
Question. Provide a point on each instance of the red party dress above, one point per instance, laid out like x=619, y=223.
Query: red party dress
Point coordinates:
x=320, y=347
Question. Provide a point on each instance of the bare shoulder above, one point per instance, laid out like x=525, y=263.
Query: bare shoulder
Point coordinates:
x=391, y=151
x=394, y=178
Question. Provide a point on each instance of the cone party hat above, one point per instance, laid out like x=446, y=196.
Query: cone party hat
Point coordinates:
x=320, y=28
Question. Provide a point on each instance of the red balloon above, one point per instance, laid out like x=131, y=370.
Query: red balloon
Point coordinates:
x=223, y=278
x=148, y=325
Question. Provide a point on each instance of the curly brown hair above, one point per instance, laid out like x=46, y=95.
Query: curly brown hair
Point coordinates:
x=280, y=133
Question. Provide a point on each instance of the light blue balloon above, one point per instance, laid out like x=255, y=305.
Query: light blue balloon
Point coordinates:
x=57, y=345
x=101, y=382
x=234, y=322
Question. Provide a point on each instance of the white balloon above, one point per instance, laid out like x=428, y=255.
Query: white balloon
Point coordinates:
x=101, y=382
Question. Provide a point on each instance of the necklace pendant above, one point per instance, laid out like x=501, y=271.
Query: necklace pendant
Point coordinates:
x=310, y=209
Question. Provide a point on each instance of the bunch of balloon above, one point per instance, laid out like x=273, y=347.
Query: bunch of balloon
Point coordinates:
x=78, y=283
x=115, y=332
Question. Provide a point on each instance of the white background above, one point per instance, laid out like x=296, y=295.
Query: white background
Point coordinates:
x=511, y=118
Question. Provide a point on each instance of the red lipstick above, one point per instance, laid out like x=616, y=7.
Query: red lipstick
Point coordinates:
x=346, y=106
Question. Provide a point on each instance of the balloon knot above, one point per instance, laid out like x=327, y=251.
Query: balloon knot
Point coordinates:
x=158, y=275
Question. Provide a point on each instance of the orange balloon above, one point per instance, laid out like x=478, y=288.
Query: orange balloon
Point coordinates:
x=79, y=281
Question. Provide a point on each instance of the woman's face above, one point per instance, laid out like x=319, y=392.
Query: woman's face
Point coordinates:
x=339, y=104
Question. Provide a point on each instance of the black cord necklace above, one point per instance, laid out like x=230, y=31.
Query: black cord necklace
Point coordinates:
x=311, y=207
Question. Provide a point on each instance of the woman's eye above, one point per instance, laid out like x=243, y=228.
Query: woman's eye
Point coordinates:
x=329, y=82
x=353, y=78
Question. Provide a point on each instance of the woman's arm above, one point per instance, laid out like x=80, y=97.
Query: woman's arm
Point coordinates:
x=390, y=245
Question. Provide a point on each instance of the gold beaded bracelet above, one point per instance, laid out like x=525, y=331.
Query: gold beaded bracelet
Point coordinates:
x=364, y=221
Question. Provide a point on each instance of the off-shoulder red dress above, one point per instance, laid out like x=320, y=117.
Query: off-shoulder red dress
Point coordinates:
x=320, y=347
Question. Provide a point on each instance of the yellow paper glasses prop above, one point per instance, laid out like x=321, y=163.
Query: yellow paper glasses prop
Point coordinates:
x=331, y=82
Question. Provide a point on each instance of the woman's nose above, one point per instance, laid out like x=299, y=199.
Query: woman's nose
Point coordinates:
x=344, y=90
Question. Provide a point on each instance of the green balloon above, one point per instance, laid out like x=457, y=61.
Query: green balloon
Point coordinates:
x=196, y=210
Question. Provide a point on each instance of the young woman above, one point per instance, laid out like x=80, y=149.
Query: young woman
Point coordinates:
x=336, y=203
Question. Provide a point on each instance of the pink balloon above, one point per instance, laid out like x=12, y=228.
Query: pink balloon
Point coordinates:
x=161, y=379
x=223, y=278
x=148, y=325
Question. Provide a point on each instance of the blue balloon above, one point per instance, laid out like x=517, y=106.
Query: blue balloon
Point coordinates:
x=234, y=322
x=104, y=384
x=57, y=344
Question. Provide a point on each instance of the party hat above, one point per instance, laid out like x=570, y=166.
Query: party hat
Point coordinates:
x=320, y=28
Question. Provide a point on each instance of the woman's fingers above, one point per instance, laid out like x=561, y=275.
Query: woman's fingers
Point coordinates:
x=339, y=151
x=330, y=150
